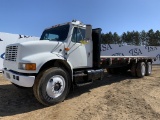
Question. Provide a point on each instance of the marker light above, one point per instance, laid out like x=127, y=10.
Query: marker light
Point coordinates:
x=67, y=49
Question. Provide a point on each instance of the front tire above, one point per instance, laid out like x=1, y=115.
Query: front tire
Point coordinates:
x=51, y=86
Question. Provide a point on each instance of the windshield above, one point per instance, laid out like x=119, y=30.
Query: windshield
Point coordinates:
x=59, y=33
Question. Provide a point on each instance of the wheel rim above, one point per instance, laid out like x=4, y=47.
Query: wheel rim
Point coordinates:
x=143, y=70
x=55, y=86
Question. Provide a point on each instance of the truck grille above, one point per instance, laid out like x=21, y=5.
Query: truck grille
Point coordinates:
x=11, y=53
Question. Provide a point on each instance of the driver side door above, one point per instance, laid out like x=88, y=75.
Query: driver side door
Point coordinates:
x=79, y=55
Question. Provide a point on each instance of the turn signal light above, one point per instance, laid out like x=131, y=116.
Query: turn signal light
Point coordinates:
x=27, y=66
x=30, y=66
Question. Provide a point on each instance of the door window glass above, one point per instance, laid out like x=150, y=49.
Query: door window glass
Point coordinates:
x=78, y=34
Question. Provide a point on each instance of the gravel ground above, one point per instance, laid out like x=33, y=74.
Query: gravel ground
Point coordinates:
x=116, y=97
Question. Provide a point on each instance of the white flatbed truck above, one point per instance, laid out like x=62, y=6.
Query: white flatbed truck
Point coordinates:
x=66, y=55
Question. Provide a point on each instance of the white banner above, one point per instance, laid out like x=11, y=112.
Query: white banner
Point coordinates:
x=125, y=50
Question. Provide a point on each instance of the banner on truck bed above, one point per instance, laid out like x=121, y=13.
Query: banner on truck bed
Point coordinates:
x=106, y=49
x=126, y=50
x=7, y=38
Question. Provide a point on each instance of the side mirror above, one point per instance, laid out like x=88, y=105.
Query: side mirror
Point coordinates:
x=88, y=34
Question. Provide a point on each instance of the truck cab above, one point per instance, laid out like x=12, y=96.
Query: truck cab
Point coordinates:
x=67, y=54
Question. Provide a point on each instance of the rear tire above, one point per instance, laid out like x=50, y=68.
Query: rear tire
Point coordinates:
x=133, y=70
x=141, y=69
x=51, y=86
x=148, y=68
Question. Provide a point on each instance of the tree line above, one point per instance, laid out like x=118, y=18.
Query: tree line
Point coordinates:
x=143, y=38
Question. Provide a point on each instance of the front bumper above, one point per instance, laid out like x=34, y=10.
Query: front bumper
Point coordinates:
x=21, y=80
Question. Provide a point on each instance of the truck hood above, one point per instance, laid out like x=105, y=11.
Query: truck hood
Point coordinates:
x=33, y=51
x=36, y=47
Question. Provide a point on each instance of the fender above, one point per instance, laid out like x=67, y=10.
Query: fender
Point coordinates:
x=41, y=58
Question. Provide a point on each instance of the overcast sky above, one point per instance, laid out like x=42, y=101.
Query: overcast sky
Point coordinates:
x=31, y=17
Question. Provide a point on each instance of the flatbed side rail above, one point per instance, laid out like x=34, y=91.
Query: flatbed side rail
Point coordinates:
x=123, y=60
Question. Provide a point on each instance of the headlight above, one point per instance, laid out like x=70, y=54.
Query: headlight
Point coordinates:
x=27, y=66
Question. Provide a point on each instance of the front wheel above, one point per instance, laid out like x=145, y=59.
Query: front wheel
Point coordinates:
x=51, y=86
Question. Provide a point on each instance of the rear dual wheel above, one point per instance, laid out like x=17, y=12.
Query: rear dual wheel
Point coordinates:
x=133, y=69
x=148, y=68
x=141, y=69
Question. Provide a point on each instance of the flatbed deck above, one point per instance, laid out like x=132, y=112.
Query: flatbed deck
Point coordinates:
x=147, y=57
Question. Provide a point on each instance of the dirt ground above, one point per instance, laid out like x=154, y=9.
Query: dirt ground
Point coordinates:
x=117, y=97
